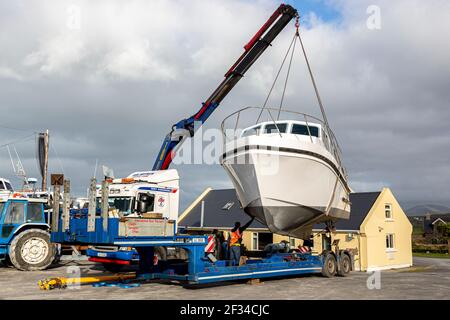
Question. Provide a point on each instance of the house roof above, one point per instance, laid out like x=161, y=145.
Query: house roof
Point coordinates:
x=222, y=209
x=361, y=203
x=434, y=218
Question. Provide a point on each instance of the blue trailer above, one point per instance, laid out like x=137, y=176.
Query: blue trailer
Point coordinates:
x=199, y=267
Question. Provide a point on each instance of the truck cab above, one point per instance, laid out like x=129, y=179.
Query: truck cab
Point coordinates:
x=5, y=186
x=24, y=233
x=148, y=194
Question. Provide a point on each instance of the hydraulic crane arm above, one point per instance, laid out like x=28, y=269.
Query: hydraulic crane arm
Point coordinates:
x=253, y=49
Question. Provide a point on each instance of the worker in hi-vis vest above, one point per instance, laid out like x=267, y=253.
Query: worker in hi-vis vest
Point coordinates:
x=235, y=241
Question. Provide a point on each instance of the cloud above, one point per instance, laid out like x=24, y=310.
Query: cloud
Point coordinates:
x=111, y=88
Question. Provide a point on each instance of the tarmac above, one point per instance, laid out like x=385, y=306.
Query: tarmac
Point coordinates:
x=429, y=278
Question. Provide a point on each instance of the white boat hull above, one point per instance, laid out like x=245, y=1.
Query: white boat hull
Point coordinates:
x=288, y=186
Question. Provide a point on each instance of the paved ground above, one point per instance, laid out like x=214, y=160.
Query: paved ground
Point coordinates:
x=428, y=279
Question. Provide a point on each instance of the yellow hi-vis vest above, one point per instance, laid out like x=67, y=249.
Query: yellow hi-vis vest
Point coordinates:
x=236, y=236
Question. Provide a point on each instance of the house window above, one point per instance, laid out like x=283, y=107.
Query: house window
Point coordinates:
x=292, y=242
x=388, y=211
x=255, y=241
x=390, y=241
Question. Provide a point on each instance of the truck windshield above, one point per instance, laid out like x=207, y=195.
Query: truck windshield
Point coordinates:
x=123, y=204
x=8, y=186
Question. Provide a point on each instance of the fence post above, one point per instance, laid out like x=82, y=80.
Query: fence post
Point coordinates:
x=92, y=211
x=55, y=213
x=105, y=204
x=66, y=205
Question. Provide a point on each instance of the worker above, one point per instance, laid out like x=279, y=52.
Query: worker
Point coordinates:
x=235, y=241
x=218, y=240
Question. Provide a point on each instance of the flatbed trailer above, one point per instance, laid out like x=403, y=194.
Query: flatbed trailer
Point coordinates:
x=199, y=267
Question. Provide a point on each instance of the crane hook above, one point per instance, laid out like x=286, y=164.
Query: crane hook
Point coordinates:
x=297, y=23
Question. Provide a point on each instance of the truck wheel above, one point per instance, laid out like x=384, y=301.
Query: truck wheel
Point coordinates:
x=345, y=265
x=112, y=267
x=329, y=266
x=32, y=250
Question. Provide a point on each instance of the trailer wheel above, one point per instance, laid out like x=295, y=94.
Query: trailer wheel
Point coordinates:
x=345, y=265
x=161, y=253
x=32, y=250
x=112, y=267
x=329, y=266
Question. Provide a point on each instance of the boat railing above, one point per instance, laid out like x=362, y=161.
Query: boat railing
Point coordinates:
x=237, y=118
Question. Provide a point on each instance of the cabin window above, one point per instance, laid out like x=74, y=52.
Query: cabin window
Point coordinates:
x=388, y=211
x=390, y=241
x=272, y=128
x=15, y=213
x=34, y=212
x=251, y=131
x=303, y=130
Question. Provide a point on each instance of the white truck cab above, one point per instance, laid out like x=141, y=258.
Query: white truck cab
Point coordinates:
x=145, y=192
x=5, y=186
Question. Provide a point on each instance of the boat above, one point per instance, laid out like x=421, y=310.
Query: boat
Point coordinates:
x=287, y=174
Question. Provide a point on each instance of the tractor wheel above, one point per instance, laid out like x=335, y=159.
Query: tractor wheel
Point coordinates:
x=32, y=250
x=345, y=265
x=329, y=267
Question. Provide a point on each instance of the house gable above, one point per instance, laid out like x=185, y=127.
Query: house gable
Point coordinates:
x=387, y=241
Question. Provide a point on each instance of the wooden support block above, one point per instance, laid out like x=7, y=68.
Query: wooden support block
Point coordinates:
x=253, y=282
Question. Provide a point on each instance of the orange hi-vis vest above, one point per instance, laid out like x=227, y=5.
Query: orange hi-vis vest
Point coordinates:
x=235, y=237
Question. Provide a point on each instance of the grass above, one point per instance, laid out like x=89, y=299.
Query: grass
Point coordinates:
x=431, y=255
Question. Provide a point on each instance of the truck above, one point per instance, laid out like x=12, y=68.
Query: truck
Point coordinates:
x=25, y=237
x=139, y=213
x=141, y=194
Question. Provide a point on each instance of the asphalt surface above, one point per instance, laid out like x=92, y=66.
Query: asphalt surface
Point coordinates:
x=428, y=279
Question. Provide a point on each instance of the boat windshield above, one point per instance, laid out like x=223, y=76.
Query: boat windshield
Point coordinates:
x=275, y=128
x=251, y=131
x=303, y=130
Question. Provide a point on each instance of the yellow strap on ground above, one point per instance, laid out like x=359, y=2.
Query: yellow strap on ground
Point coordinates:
x=61, y=282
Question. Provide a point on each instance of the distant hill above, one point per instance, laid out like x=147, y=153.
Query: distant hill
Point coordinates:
x=423, y=209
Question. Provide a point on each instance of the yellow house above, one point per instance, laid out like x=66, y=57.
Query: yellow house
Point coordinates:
x=378, y=231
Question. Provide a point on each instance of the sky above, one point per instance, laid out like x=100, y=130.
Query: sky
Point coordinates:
x=109, y=78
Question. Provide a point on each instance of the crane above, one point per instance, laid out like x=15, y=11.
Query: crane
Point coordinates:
x=252, y=51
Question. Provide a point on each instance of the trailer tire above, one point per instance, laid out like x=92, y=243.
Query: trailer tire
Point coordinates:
x=329, y=267
x=32, y=250
x=161, y=253
x=345, y=266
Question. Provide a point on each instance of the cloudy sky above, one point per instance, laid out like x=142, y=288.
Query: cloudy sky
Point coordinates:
x=109, y=78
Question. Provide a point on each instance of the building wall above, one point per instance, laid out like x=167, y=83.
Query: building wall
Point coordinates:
x=375, y=229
